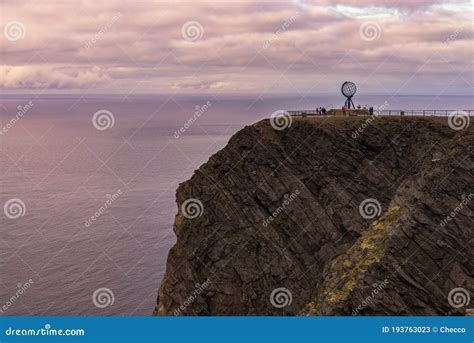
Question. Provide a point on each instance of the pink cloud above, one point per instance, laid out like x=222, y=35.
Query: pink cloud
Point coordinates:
x=242, y=46
x=33, y=77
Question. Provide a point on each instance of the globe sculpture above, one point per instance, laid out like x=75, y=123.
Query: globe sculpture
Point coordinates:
x=348, y=89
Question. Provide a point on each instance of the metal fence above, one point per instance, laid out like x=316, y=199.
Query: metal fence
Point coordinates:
x=301, y=112
x=439, y=113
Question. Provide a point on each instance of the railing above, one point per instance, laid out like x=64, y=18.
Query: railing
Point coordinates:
x=440, y=113
x=303, y=112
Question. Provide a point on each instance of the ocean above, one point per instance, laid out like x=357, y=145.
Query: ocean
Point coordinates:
x=88, y=189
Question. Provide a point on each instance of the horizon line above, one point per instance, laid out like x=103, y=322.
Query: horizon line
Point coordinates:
x=3, y=94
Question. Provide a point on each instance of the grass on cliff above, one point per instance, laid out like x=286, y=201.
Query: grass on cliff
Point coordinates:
x=350, y=267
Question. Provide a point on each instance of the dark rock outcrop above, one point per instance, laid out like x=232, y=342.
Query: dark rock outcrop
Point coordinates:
x=292, y=218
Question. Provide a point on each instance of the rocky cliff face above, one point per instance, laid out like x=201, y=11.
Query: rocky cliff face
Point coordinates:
x=331, y=216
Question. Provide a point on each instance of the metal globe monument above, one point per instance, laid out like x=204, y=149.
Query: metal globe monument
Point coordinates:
x=348, y=89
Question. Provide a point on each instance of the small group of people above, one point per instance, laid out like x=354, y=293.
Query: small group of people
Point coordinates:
x=320, y=110
x=371, y=109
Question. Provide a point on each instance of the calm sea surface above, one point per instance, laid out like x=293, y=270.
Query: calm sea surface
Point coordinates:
x=65, y=171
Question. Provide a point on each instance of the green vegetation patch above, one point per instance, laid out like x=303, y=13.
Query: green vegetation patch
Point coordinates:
x=368, y=249
x=310, y=310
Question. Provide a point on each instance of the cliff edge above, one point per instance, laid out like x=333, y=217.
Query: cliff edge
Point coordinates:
x=330, y=216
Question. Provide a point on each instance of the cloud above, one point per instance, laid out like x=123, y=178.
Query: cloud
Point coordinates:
x=199, y=85
x=243, y=46
x=34, y=77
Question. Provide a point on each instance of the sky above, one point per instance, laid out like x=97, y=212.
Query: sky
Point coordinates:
x=234, y=47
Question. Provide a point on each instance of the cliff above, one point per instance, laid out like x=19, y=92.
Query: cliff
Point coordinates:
x=331, y=216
